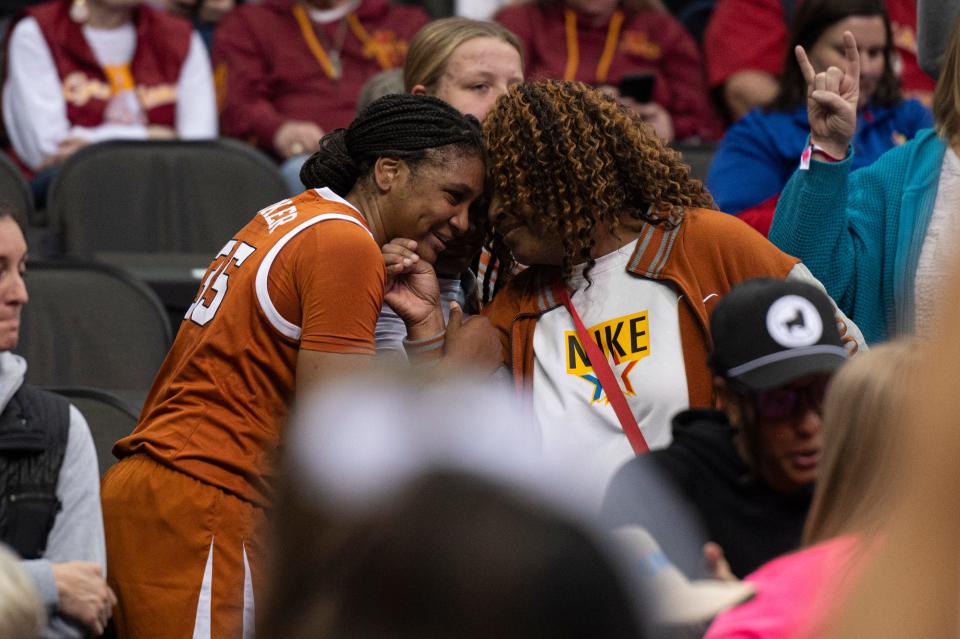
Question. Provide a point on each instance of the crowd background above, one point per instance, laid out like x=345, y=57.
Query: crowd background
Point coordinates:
x=621, y=140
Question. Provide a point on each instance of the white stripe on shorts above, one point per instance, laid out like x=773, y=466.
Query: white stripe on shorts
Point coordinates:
x=201, y=627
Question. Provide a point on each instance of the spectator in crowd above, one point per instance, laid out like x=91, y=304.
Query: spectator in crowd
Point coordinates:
x=288, y=71
x=468, y=64
x=745, y=49
x=447, y=521
x=602, y=211
x=451, y=556
x=759, y=153
x=608, y=44
x=306, y=281
x=85, y=71
x=49, y=478
x=864, y=429
x=748, y=469
x=21, y=614
x=882, y=238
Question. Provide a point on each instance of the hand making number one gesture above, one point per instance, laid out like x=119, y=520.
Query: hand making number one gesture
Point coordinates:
x=832, y=99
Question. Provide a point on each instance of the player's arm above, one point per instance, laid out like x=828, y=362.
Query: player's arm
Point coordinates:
x=314, y=367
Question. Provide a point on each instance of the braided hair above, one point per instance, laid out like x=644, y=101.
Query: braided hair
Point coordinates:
x=399, y=126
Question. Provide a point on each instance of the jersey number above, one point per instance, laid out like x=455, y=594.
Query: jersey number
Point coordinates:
x=217, y=279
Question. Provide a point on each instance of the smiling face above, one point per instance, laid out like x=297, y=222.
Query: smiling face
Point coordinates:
x=477, y=73
x=871, y=36
x=13, y=290
x=429, y=203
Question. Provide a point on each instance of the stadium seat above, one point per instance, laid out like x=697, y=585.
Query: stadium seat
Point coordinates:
x=159, y=197
x=14, y=190
x=699, y=157
x=109, y=417
x=91, y=325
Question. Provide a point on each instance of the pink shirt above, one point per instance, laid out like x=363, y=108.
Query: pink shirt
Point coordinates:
x=795, y=594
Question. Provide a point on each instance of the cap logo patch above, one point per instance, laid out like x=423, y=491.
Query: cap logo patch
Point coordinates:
x=793, y=321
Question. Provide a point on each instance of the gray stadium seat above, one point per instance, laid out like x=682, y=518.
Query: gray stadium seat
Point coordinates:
x=159, y=197
x=91, y=325
x=699, y=157
x=14, y=190
x=109, y=417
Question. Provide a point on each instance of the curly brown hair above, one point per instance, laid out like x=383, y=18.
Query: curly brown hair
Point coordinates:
x=564, y=157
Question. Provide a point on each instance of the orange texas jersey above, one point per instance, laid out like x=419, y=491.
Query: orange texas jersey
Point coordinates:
x=304, y=273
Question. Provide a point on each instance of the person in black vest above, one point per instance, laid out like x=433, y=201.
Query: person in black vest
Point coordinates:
x=748, y=469
x=49, y=479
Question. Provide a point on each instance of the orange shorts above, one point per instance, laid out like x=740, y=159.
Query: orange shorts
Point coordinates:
x=183, y=557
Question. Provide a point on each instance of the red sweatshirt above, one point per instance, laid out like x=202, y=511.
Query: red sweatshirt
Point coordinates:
x=267, y=73
x=647, y=42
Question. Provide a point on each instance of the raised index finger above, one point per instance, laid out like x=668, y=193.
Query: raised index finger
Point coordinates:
x=852, y=56
x=805, y=67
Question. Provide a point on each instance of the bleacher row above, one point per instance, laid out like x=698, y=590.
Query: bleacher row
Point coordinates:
x=117, y=256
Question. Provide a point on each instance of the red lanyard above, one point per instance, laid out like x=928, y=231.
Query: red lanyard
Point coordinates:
x=600, y=365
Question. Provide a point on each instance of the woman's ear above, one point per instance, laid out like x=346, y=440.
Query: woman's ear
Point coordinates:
x=386, y=172
x=419, y=89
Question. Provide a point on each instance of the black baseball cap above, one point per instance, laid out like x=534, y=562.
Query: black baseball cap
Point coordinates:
x=768, y=332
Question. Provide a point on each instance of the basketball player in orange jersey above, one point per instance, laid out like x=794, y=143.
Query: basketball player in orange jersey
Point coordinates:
x=290, y=300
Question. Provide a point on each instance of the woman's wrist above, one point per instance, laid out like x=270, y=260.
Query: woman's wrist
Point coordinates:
x=426, y=328
x=829, y=150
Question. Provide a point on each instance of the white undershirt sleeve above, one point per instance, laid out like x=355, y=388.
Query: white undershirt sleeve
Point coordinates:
x=196, y=100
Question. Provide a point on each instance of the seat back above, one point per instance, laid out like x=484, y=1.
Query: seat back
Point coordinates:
x=108, y=416
x=699, y=157
x=91, y=325
x=14, y=190
x=151, y=197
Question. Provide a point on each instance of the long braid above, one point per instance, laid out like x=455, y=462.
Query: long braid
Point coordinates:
x=403, y=126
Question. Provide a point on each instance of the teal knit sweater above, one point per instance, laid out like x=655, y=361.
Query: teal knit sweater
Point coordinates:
x=861, y=233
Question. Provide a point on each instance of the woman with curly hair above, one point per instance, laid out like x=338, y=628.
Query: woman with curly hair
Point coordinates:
x=602, y=212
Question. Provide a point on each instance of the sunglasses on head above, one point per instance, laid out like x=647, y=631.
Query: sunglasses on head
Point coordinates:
x=790, y=401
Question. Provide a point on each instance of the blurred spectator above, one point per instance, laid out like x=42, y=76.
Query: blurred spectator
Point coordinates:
x=21, y=615
x=882, y=238
x=450, y=556
x=288, y=71
x=748, y=469
x=865, y=428
x=759, y=153
x=92, y=70
x=429, y=510
x=49, y=478
x=745, y=46
x=611, y=44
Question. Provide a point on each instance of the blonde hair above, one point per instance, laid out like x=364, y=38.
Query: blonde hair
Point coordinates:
x=21, y=614
x=946, y=97
x=863, y=427
x=433, y=45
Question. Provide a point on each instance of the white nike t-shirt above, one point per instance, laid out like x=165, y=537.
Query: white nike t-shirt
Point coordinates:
x=636, y=323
